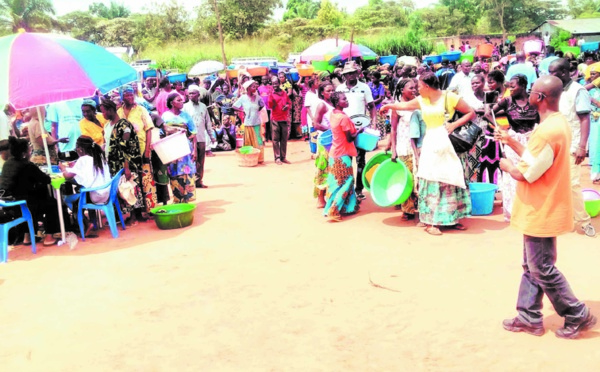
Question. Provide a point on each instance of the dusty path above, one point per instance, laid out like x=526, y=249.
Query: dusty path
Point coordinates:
x=262, y=282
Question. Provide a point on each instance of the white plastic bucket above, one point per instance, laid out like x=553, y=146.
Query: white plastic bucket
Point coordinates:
x=172, y=147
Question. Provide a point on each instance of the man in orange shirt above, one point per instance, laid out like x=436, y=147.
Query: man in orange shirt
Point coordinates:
x=542, y=210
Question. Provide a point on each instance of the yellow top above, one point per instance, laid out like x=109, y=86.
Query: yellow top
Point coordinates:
x=433, y=114
x=141, y=121
x=93, y=130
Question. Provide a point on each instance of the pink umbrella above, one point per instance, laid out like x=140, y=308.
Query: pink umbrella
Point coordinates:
x=321, y=51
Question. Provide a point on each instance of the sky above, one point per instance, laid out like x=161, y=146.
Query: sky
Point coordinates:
x=137, y=6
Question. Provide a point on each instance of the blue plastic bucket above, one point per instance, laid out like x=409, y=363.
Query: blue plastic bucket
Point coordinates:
x=482, y=198
x=293, y=76
x=325, y=139
x=313, y=140
x=433, y=59
x=366, y=141
x=388, y=59
x=451, y=56
x=590, y=47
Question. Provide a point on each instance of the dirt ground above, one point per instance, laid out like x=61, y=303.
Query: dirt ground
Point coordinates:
x=262, y=282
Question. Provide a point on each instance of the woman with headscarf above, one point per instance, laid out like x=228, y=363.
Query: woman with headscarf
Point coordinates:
x=181, y=172
x=92, y=124
x=440, y=203
x=594, y=139
x=522, y=118
x=122, y=151
x=36, y=134
x=251, y=104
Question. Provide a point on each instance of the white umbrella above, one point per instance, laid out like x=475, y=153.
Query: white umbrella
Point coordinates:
x=318, y=50
x=206, y=67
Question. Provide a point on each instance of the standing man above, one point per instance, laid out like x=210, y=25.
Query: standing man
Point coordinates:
x=575, y=105
x=522, y=67
x=280, y=104
x=542, y=210
x=360, y=101
x=65, y=117
x=461, y=82
x=150, y=92
x=199, y=113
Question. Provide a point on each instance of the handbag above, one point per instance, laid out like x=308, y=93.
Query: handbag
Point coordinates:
x=464, y=137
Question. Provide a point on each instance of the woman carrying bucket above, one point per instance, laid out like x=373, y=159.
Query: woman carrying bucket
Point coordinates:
x=440, y=203
x=341, y=199
x=321, y=124
x=408, y=129
x=251, y=104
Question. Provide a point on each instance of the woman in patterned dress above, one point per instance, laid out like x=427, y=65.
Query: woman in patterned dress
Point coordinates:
x=341, y=198
x=182, y=171
x=122, y=149
x=322, y=119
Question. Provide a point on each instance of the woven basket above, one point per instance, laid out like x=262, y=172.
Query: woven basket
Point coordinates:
x=248, y=160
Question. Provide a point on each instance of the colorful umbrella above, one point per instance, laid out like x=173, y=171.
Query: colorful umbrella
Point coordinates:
x=206, y=68
x=352, y=51
x=38, y=69
x=322, y=51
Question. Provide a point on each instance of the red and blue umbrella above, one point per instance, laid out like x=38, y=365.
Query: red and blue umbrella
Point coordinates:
x=38, y=69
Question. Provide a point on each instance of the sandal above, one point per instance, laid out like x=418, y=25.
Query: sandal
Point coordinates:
x=421, y=224
x=458, y=226
x=432, y=230
x=407, y=216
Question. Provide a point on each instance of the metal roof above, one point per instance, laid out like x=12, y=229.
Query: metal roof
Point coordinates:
x=576, y=26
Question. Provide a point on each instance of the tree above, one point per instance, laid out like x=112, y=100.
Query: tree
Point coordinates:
x=239, y=18
x=116, y=10
x=383, y=14
x=81, y=25
x=301, y=9
x=30, y=15
x=329, y=14
x=165, y=22
x=584, y=8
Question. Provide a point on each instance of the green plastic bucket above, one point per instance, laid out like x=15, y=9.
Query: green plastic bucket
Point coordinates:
x=392, y=183
x=174, y=216
x=246, y=150
x=375, y=160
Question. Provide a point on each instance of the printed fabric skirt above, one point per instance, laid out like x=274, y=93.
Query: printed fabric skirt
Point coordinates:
x=509, y=184
x=148, y=186
x=321, y=163
x=139, y=198
x=340, y=196
x=38, y=157
x=253, y=138
x=184, y=188
x=410, y=205
x=441, y=204
x=383, y=124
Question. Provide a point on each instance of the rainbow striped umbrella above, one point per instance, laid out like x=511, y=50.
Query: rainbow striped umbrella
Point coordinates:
x=38, y=69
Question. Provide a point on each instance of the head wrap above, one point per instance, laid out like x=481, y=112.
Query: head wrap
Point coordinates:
x=248, y=83
x=89, y=102
x=193, y=88
x=128, y=89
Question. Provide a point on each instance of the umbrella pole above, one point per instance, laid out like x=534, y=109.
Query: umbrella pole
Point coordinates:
x=351, y=41
x=58, y=198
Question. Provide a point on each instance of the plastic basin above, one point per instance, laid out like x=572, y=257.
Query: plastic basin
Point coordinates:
x=305, y=70
x=246, y=150
x=433, y=59
x=177, y=78
x=322, y=66
x=482, y=198
x=388, y=59
x=451, y=56
x=174, y=216
x=367, y=140
x=172, y=148
x=573, y=49
x=293, y=76
x=533, y=46
x=375, y=160
x=392, y=183
x=590, y=46
x=591, y=199
x=485, y=50
x=326, y=139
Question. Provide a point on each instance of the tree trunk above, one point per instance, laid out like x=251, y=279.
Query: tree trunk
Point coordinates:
x=220, y=34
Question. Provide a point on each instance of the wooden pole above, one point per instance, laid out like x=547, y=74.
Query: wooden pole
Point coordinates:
x=220, y=34
x=351, y=41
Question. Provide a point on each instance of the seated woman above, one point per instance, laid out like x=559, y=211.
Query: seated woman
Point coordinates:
x=90, y=170
x=226, y=135
x=23, y=180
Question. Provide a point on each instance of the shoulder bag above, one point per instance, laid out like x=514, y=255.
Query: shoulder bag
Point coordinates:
x=464, y=137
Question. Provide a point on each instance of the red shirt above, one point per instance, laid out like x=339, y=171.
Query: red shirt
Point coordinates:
x=276, y=102
x=340, y=123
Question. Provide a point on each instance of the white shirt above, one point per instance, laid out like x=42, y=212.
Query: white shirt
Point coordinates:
x=311, y=100
x=461, y=84
x=87, y=176
x=199, y=114
x=358, y=97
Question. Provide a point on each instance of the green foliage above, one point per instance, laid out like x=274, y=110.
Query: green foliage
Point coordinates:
x=410, y=43
x=239, y=18
x=30, y=15
x=329, y=14
x=301, y=9
x=440, y=21
x=81, y=25
x=380, y=14
x=583, y=8
x=116, y=10
x=560, y=38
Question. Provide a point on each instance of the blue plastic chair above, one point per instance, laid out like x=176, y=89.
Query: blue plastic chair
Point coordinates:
x=25, y=217
x=108, y=208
